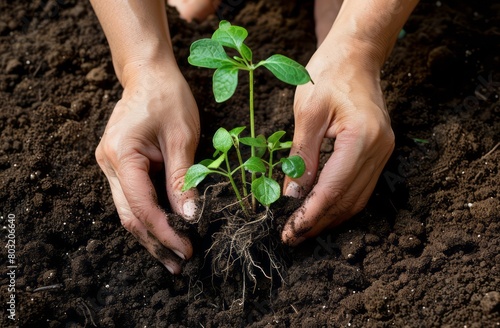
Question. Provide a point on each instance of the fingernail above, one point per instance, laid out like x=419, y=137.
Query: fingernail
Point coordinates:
x=293, y=190
x=169, y=268
x=291, y=240
x=179, y=254
x=190, y=208
x=297, y=241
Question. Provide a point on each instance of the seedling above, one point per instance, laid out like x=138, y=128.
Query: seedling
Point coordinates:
x=211, y=53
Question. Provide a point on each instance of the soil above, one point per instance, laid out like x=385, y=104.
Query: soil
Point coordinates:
x=424, y=253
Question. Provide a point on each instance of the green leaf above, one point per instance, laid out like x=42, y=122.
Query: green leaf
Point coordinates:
x=209, y=53
x=194, y=175
x=266, y=190
x=286, y=69
x=235, y=132
x=233, y=36
x=260, y=151
x=215, y=164
x=422, y=141
x=255, y=165
x=230, y=35
x=222, y=140
x=256, y=142
x=274, y=139
x=246, y=52
x=293, y=166
x=206, y=162
x=285, y=145
x=225, y=81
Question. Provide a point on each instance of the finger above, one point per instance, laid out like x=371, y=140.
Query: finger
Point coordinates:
x=308, y=136
x=334, y=182
x=365, y=195
x=345, y=209
x=169, y=259
x=178, y=151
x=335, y=199
x=331, y=221
x=137, y=228
x=140, y=194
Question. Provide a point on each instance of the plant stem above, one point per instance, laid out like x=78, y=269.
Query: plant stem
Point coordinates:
x=270, y=164
x=252, y=125
x=242, y=169
x=252, y=119
x=233, y=184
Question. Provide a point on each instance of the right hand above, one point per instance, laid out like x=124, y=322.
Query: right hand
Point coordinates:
x=345, y=104
x=154, y=125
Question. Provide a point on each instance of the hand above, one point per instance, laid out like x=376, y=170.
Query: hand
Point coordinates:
x=345, y=104
x=155, y=124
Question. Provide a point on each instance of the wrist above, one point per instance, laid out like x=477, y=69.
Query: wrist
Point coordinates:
x=151, y=60
x=149, y=72
x=348, y=53
x=369, y=27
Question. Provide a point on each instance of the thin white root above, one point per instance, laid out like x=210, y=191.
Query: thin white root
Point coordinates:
x=237, y=243
x=491, y=151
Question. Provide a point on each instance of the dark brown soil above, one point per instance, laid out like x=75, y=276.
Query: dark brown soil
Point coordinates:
x=424, y=253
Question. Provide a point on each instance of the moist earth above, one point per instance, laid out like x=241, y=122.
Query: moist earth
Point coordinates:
x=425, y=252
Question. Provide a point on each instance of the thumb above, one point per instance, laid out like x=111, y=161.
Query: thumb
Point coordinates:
x=178, y=159
x=308, y=136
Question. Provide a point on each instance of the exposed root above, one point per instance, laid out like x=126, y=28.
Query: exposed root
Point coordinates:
x=218, y=185
x=246, y=245
x=491, y=151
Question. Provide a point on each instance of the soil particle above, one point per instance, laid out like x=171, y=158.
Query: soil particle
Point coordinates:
x=13, y=66
x=491, y=302
x=97, y=75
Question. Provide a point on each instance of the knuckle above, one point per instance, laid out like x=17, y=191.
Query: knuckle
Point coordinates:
x=346, y=205
x=332, y=195
x=340, y=202
x=106, y=152
x=130, y=223
x=102, y=161
x=99, y=156
x=182, y=138
x=139, y=211
x=390, y=139
x=176, y=178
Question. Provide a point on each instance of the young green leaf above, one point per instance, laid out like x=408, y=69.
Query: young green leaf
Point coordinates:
x=229, y=35
x=286, y=69
x=194, y=175
x=421, y=141
x=266, y=190
x=256, y=142
x=222, y=140
x=255, y=165
x=215, y=164
x=235, y=132
x=246, y=52
x=274, y=139
x=285, y=145
x=225, y=81
x=209, y=53
x=261, y=150
x=293, y=166
x=206, y=162
x=233, y=37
